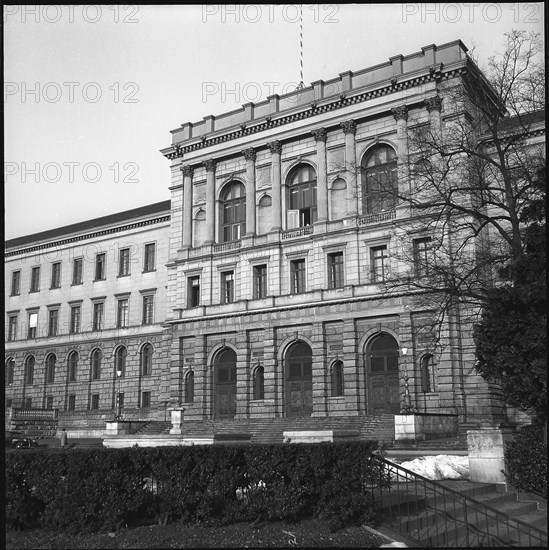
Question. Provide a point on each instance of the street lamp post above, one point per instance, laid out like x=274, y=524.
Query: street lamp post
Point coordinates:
x=406, y=405
x=119, y=407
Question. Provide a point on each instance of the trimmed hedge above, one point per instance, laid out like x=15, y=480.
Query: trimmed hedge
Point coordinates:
x=526, y=461
x=91, y=490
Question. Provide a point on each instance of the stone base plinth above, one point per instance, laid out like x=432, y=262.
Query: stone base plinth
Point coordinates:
x=122, y=427
x=486, y=448
x=319, y=436
x=421, y=426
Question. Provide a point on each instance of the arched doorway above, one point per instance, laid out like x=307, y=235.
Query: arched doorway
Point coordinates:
x=225, y=385
x=382, y=365
x=299, y=380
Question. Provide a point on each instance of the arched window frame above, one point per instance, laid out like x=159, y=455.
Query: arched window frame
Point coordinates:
x=189, y=387
x=120, y=356
x=73, y=366
x=232, y=201
x=146, y=359
x=259, y=383
x=10, y=370
x=30, y=362
x=302, y=199
x=337, y=379
x=427, y=373
x=379, y=179
x=95, y=359
x=51, y=361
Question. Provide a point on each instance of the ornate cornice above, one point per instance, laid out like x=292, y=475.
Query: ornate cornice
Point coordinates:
x=275, y=147
x=349, y=127
x=93, y=235
x=343, y=100
x=320, y=134
x=400, y=113
x=187, y=171
x=250, y=154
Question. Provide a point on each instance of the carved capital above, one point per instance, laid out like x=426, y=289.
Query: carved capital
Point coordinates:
x=433, y=103
x=187, y=171
x=400, y=113
x=209, y=165
x=320, y=134
x=275, y=147
x=249, y=154
x=349, y=127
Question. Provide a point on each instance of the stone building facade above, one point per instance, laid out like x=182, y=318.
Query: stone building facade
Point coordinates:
x=265, y=286
x=84, y=303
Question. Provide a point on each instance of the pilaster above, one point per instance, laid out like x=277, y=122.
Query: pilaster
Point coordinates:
x=250, y=156
x=320, y=136
x=187, y=172
x=276, y=178
x=349, y=129
x=209, y=165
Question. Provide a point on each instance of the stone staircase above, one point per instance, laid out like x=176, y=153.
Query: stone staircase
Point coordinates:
x=270, y=430
x=429, y=520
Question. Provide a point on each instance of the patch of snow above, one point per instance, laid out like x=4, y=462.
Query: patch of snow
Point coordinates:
x=438, y=467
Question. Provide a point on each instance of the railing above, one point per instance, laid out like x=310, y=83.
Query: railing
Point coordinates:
x=34, y=414
x=434, y=515
x=376, y=218
x=299, y=232
x=226, y=246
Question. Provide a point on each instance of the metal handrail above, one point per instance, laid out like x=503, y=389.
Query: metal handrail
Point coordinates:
x=445, y=517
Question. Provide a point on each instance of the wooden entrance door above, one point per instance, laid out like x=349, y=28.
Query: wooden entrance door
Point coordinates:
x=299, y=381
x=383, y=374
x=225, y=385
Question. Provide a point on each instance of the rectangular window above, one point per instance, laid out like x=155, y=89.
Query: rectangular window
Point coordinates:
x=260, y=281
x=12, y=328
x=95, y=401
x=146, y=399
x=53, y=321
x=100, y=267
x=10, y=367
x=77, y=271
x=379, y=263
x=148, y=309
x=227, y=287
x=28, y=402
x=422, y=256
x=98, y=312
x=335, y=270
x=74, y=327
x=56, y=275
x=193, y=292
x=122, y=320
x=35, y=279
x=148, y=264
x=16, y=283
x=8, y=403
x=29, y=373
x=72, y=402
x=124, y=262
x=49, y=403
x=33, y=325
x=297, y=274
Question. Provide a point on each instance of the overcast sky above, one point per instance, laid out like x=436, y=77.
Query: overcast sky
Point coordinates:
x=92, y=92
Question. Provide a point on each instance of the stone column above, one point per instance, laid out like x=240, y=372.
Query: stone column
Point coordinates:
x=434, y=106
x=209, y=165
x=349, y=129
x=187, y=210
x=401, y=117
x=276, y=178
x=250, y=155
x=320, y=136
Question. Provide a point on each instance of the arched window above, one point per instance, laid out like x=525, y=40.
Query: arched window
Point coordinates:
x=338, y=199
x=427, y=373
x=199, y=229
x=96, y=358
x=29, y=370
x=302, y=196
x=264, y=222
x=338, y=388
x=189, y=387
x=146, y=360
x=259, y=383
x=10, y=368
x=233, y=212
x=50, y=368
x=379, y=180
x=120, y=360
x=73, y=366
